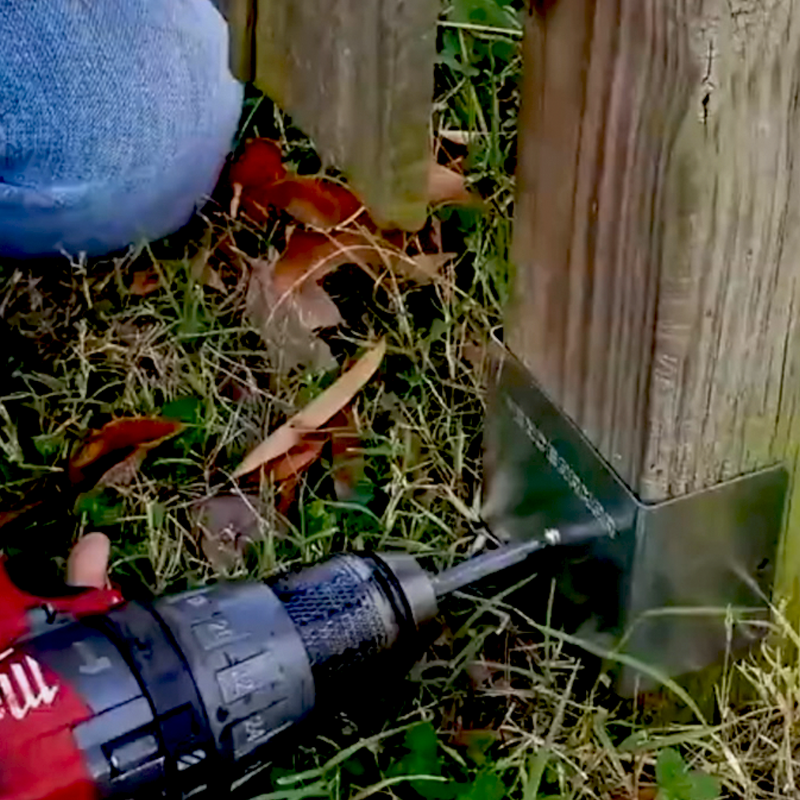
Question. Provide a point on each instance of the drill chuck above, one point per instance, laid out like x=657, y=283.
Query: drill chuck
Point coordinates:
x=183, y=695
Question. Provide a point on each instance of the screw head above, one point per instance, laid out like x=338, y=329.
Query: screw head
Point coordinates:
x=552, y=536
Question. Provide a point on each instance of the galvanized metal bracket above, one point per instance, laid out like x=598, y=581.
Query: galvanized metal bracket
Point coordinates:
x=675, y=585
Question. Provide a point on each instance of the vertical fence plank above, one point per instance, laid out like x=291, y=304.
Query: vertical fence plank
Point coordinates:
x=358, y=78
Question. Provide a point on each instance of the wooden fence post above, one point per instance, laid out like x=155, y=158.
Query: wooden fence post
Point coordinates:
x=658, y=237
x=358, y=78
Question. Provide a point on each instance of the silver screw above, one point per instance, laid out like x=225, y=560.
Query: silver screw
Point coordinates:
x=552, y=536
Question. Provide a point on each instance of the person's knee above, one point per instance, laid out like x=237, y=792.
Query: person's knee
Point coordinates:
x=115, y=120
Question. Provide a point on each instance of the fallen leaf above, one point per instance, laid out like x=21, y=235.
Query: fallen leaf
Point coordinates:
x=316, y=413
x=315, y=307
x=213, y=280
x=124, y=473
x=260, y=182
x=314, y=201
x=287, y=470
x=477, y=742
x=447, y=186
x=200, y=268
x=286, y=302
x=227, y=524
x=7, y=517
x=145, y=281
x=347, y=455
x=313, y=255
x=261, y=162
x=298, y=459
x=283, y=325
x=425, y=267
x=115, y=442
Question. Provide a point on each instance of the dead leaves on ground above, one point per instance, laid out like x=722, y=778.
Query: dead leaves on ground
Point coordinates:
x=446, y=186
x=319, y=411
x=328, y=227
x=113, y=454
x=285, y=299
x=108, y=456
x=262, y=184
x=228, y=523
x=288, y=304
x=145, y=282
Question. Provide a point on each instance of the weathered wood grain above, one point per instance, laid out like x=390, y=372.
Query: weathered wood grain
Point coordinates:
x=358, y=77
x=658, y=235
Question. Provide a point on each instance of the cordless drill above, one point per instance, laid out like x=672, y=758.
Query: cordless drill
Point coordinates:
x=102, y=698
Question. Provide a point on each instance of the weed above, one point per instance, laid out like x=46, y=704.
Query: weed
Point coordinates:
x=677, y=782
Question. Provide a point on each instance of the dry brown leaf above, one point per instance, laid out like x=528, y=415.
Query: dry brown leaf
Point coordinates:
x=315, y=307
x=312, y=255
x=261, y=162
x=115, y=442
x=447, y=186
x=298, y=459
x=314, y=201
x=145, y=281
x=287, y=470
x=281, y=323
x=201, y=270
x=347, y=456
x=286, y=302
x=260, y=182
x=7, y=517
x=316, y=413
x=213, y=280
x=124, y=473
x=227, y=524
x=423, y=268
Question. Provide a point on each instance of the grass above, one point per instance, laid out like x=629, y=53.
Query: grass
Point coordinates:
x=494, y=709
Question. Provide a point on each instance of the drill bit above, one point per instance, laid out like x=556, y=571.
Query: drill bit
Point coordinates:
x=479, y=567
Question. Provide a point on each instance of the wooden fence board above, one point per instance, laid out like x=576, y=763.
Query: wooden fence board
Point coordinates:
x=358, y=77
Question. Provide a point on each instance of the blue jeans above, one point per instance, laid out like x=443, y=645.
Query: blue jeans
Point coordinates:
x=116, y=117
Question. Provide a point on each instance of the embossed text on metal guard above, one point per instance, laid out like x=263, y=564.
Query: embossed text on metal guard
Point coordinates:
x=554, y=458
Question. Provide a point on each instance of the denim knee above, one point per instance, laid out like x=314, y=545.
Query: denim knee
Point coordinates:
x=115, y=120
